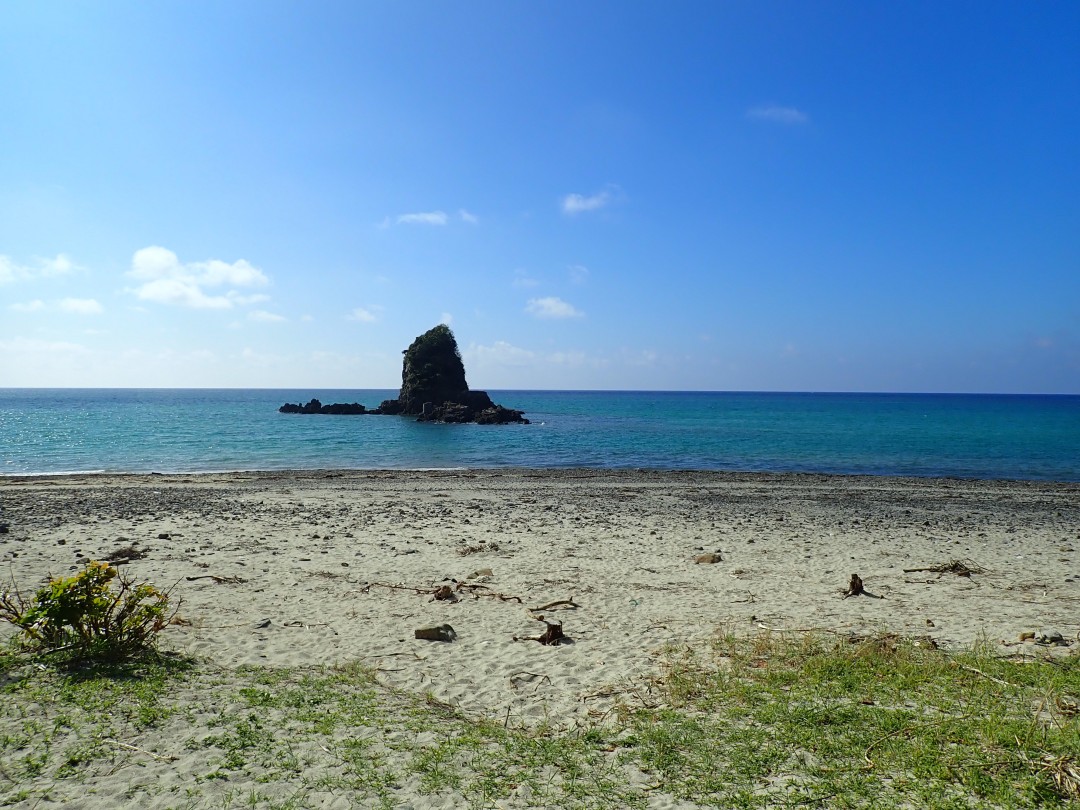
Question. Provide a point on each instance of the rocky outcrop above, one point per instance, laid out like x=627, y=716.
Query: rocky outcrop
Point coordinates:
x=432, y=372
x=314, y=406
x=433, y=388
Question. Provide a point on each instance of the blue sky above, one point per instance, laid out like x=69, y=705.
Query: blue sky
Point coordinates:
x=710, y=195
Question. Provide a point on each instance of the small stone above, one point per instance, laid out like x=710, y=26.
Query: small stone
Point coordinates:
x=1027, y=636
x=164, y=536
x=481, y=573
x=4, y=528
x=443, y=632
x=263, y=624
x=711, y=557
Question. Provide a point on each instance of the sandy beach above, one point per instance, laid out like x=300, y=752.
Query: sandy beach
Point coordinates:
x=310, y=568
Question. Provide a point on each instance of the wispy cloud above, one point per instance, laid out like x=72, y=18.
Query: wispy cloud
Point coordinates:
x=27, y=306
x=552, y=308
x=423, y=218
x=365, y=314
x=777, y=114
x=81, y=306
x=166, y=280
x=262, y=316
x=447, y=319
x=471, y=219
x=578, y=203
x=579, y=274
x=523, y=279
x=74, y=306
x=500, y=353
x=11, y=271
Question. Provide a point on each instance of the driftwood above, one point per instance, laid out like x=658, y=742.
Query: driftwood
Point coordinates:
x=551, y=637
x=570, y=604
x=958, y=567
x=450, y=593
x=129, y=747
x=219, y=580
x=478, y=590
x=439, y=592
x=855, y=588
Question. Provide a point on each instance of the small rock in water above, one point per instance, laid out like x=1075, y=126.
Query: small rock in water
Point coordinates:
x=443, y=632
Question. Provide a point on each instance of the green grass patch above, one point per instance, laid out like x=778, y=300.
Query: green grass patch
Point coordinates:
x=770, y=720
x=884, y=722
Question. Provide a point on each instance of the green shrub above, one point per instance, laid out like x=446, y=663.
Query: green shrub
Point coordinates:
x=98, y=613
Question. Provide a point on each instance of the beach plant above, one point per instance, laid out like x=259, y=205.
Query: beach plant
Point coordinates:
x=97, y=614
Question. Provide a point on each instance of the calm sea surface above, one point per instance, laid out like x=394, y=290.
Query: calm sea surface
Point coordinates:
x=195, y=430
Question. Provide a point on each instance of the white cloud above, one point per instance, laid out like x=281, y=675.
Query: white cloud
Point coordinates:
x=262, y=316
x=81, y=306
x=778, y=114
x=166, y=280
x=577, y=203
x=29, y=306
x=365, y=314
x=447, y=319
x=423, y=218
x=498, y=354
x=467, y=217
x=10, y=271
x=552, y=308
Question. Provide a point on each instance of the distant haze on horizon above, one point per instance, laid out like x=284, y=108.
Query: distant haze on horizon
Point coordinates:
x=699, y=196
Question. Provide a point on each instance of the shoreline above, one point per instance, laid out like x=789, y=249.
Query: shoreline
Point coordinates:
x=772, y=475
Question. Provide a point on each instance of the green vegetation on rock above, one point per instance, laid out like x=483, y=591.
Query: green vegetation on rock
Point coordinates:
x=432, y=371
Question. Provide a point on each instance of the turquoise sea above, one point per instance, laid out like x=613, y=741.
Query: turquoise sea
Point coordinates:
x=195, y=430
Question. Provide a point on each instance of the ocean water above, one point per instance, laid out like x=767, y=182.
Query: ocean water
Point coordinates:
x=194, y=430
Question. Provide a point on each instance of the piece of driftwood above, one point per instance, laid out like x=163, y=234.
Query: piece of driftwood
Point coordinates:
x=958, y=567
x=478, y=590
x=439, y=592
x=551, y=637
x=129, y=747
x=219, y=580
x=569, y=604
x=855, y=588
